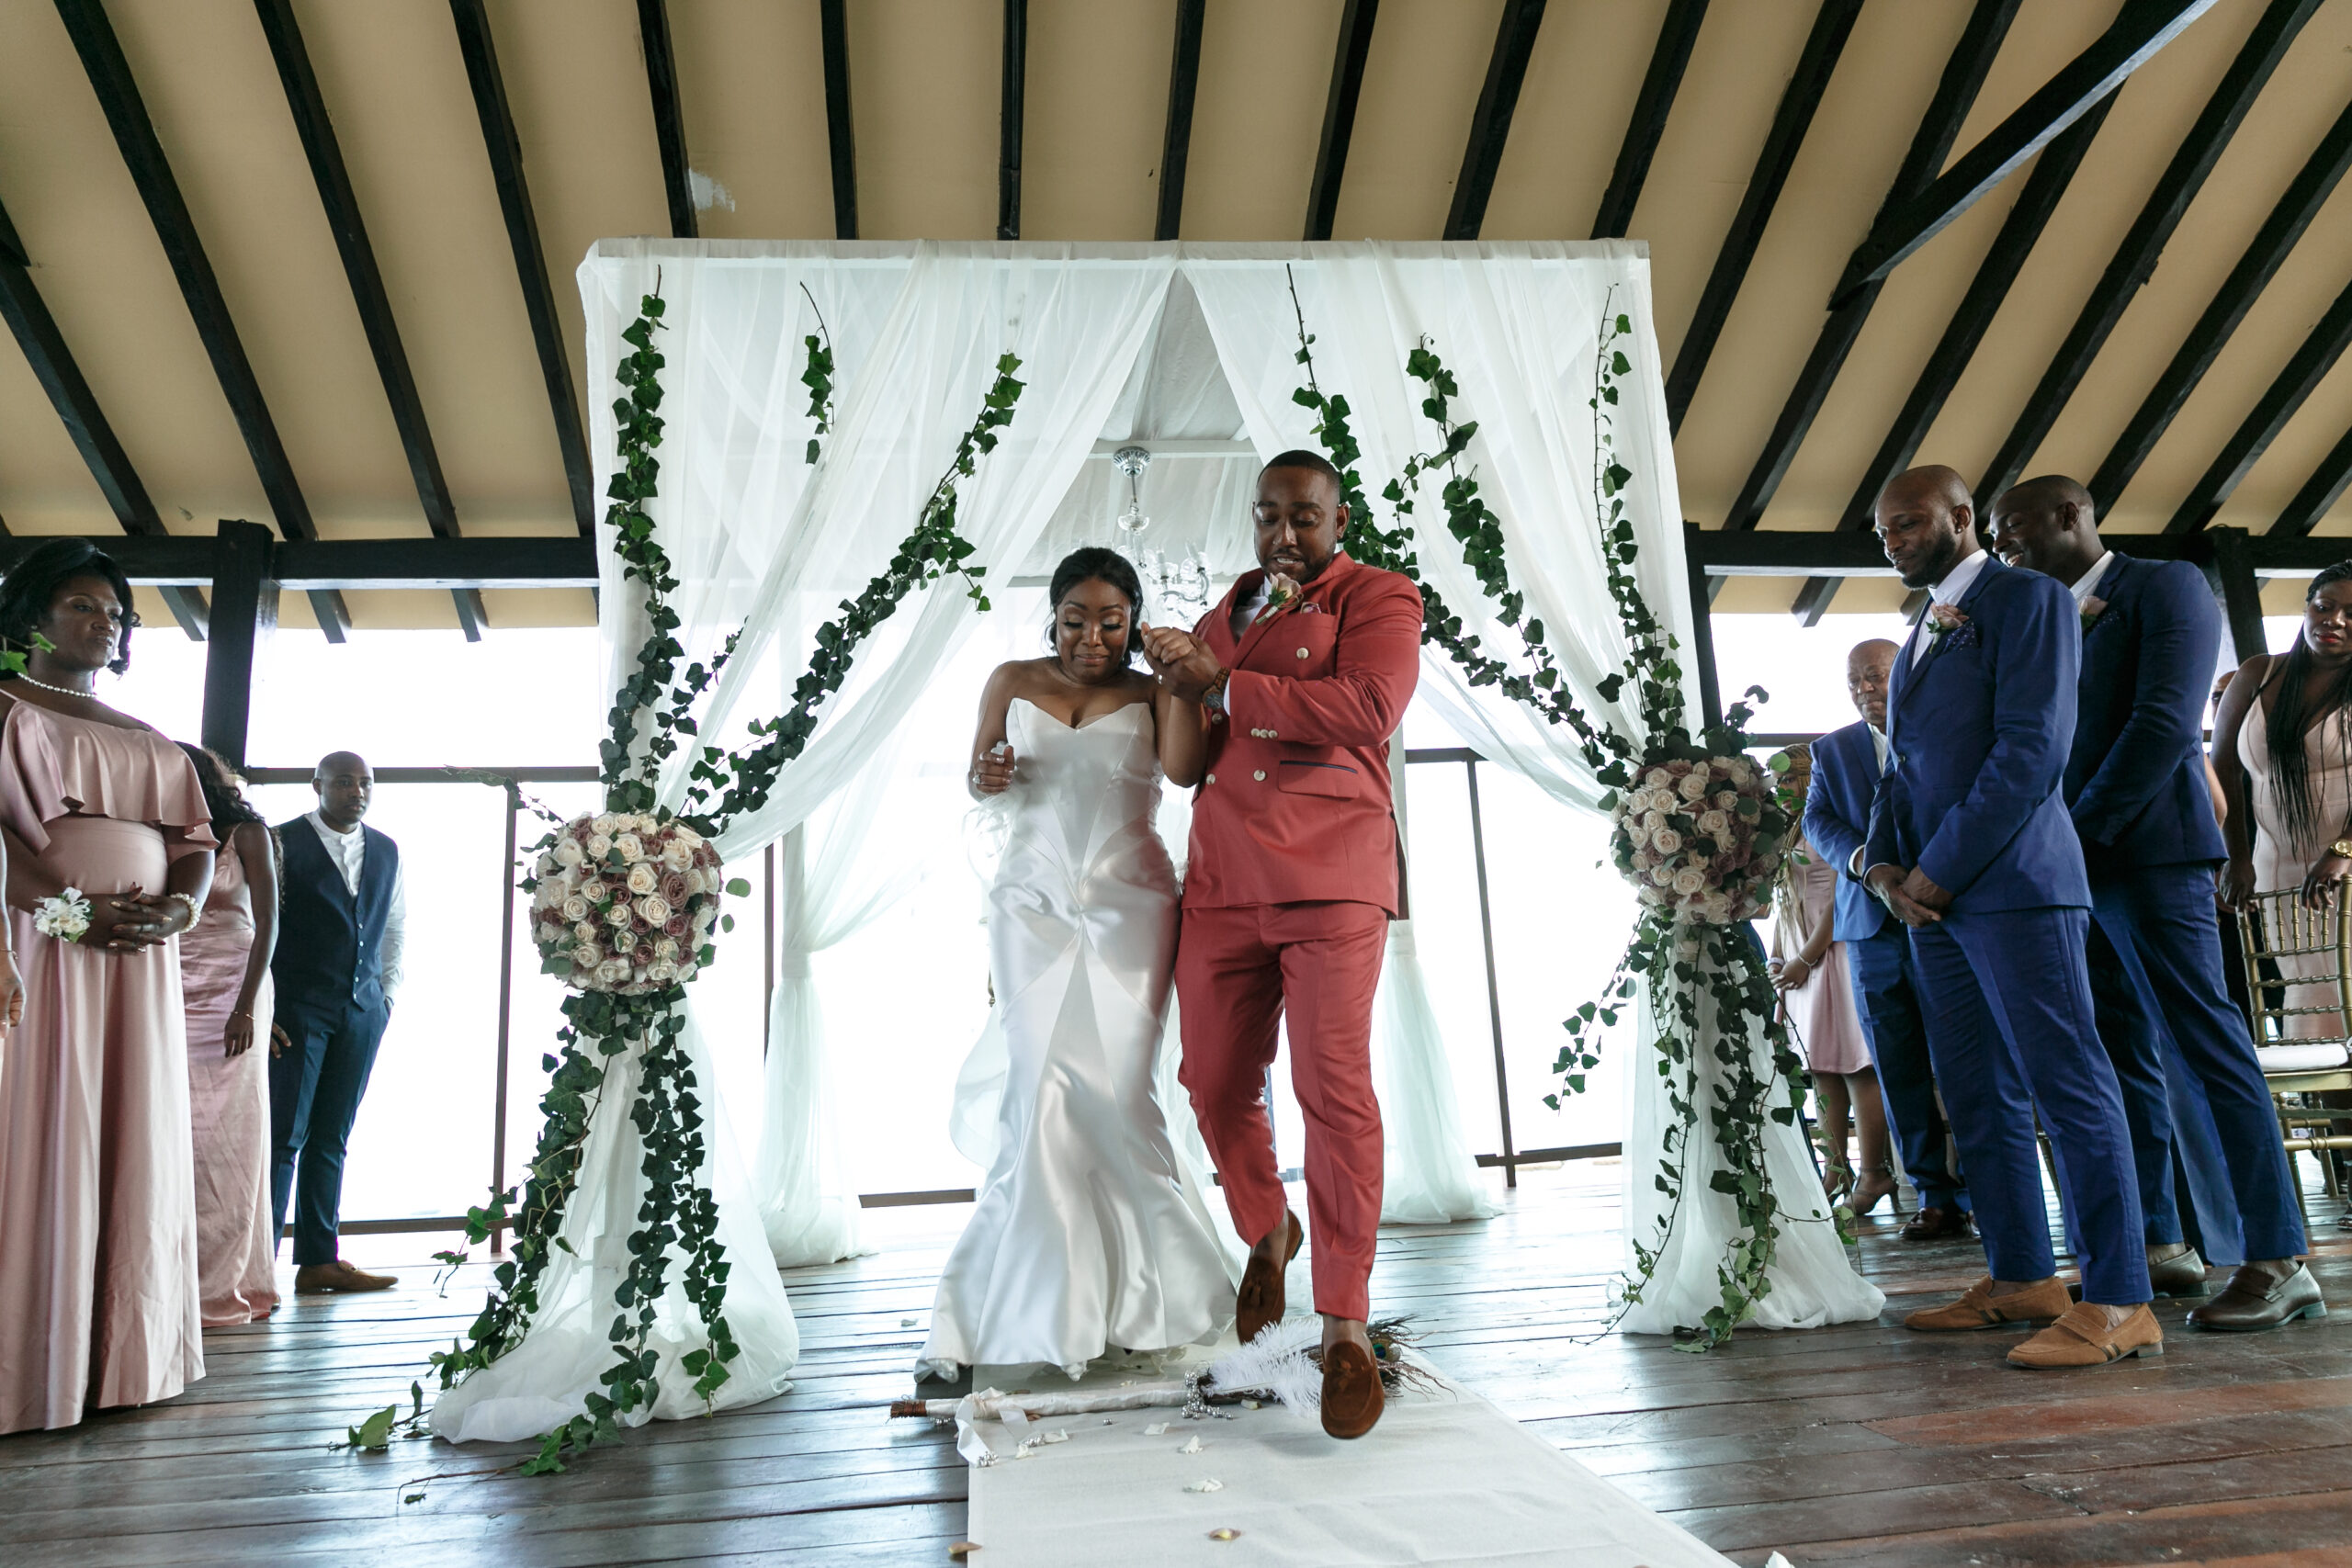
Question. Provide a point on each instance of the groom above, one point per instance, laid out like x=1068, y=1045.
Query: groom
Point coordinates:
x=1301, y=674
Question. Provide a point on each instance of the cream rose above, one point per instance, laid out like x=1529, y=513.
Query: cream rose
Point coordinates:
x=619, y=915
x=677, y=854
x=599, y=846
x=594, y=890
x=1714, y=824
x=587, y=955
x=631, y=847
x=568, y=850
x=1638, y=836
x=1694, y=786
x=665, y=948
x=1661, y=875
x=603, y=822
x=643, y=877
x=684, y=834
x=661, y=972
x=612, y=971
x=585, y=931
x=1666, y=840
x=1725, y=799
x=1688, y=880
x=653, y=911
x=576, y=907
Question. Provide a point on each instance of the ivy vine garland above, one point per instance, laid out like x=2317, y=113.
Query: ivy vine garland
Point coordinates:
x=650, y=722
x=1693, y=958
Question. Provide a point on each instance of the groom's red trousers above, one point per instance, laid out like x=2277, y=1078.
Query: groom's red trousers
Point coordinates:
x=1239, y=970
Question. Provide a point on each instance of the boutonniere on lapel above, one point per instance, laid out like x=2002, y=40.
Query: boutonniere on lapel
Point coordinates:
x=1281, y=594
x=2092, y=608
x=1947, y=627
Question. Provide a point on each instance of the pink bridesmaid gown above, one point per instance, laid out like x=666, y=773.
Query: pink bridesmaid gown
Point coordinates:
x=236, y=1264
x=98, y=1211
x=1827, y=1020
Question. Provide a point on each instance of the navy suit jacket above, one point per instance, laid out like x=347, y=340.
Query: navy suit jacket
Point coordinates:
x=1837, y=820
x=1981, y=729
x=2136, y=777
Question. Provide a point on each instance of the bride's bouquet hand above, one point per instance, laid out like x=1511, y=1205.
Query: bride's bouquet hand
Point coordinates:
x=992, y=770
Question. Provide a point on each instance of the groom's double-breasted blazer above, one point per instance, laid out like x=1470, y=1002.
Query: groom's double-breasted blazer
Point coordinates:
x=1294, y=875
x=1980, y=722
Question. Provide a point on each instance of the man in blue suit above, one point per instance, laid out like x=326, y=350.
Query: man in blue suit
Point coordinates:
x=1970, y=847
x=2135, y=782
x=1845, y=768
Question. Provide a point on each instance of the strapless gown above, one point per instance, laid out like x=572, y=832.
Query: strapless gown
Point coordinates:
x=1082, y=1241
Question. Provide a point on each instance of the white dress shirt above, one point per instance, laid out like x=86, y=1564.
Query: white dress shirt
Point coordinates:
x=349, y=853
x=1878, y=744
x=1947, y=591
x=2087, y=584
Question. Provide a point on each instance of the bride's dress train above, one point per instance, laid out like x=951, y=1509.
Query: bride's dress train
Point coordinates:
x=1086, y=1238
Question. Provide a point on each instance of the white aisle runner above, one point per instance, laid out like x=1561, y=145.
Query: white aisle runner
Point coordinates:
x=1443, y=1479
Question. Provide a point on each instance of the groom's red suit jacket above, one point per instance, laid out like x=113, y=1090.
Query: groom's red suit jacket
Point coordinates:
x=1296, y=805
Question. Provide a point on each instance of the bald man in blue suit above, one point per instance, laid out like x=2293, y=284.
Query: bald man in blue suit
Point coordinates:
x=1971, y=846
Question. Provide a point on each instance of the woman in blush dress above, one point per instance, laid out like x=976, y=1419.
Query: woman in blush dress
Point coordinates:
x=1084, y=1240
x=224, y=975
x=1817, y=998
x=98, y=1210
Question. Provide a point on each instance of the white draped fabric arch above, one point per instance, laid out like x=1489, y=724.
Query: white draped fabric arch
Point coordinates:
x=1148, y=342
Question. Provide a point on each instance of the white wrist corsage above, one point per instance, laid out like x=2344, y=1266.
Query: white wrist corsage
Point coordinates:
x=65, y=917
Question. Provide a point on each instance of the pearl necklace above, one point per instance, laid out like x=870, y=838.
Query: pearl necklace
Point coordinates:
x=60, y=691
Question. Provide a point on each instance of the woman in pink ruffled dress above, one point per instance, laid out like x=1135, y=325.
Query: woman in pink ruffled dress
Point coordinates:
x=97, y=1214
x=224, y=971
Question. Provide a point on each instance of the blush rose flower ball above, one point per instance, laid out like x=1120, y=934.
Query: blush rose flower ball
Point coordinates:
x=625, y=903
x=1701, y=838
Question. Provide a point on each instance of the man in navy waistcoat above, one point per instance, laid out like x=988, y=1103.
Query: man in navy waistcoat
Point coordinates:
x=2135, y=785
x=341, y=919
x=1845, y=768
x=1971, y=846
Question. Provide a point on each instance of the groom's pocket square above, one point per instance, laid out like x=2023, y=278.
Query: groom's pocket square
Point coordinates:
x=1334, y=779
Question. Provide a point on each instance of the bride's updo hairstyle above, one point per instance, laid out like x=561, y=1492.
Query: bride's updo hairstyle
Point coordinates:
x=1095, y=564
x=25, y=596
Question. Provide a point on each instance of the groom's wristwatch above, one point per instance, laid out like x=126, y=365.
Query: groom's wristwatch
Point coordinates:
x=1213, y=699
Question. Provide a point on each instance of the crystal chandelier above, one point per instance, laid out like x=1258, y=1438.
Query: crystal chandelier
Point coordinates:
x=1175, y=592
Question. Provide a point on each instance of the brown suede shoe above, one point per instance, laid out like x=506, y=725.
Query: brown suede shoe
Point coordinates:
x=1978, y=1307
x=324, y=1278
x=1351, y=1397
x=1261, y=1299
x=2255, y=1300
x=2082, y=1338
x=1935, y=1222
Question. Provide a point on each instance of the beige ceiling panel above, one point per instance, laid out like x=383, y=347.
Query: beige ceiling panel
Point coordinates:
x=1096, y=117
x=1856, y=139
x=205, y=72
x=926, y=83
x=1265, y=75
x=510, y=609
x=1582, y=79
x=752, y=76
x=1420, y=89
x=404, y=116
x=575, y=82
x=45, y=488
x=105, y=278
x=2305, y=95
x=2281, y=471
x=1773, y=596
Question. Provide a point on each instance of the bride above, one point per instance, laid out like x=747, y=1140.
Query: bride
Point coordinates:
x=1082, y=1242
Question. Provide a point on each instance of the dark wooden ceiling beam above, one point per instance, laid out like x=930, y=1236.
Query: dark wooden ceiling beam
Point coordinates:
x=2140, y=29
x=1356, y=18
x=1831, y=27
x=1176, y=143
x=1788, y=552
x=2135, y=259
x=2279, y=402
x=417, y=565
x=1964, y=77
x=142, y=155
x=841, y=130
x=1490, y=121
x=319, y=146
x=2264, y=255
x=1996, y=275
x=669, y=114
x=54, y=368
x=479, y=51
x=1652, y=108
x=1011, y=110
x=2319, y=494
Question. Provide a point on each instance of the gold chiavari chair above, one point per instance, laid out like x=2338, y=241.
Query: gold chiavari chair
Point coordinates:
x=2299, y=978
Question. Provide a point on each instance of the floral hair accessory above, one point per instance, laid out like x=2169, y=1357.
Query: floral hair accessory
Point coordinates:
x=64, y=916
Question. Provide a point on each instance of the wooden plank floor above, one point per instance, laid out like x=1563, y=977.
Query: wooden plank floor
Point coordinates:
x=1857, y=1445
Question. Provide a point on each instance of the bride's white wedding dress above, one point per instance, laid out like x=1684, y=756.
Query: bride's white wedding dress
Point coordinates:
x=1085, y=1239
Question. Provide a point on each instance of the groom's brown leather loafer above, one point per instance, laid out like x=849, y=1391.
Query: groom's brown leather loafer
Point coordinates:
x=1351, y=1397
x=1262, y=1299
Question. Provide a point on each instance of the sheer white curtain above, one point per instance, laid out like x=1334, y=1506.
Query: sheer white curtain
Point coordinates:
x=1517, y=324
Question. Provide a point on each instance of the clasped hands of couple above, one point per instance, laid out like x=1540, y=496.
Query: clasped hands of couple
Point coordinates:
x=1181, y=663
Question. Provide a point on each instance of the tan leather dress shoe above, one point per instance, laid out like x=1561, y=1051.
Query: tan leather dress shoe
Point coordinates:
x=1978, y=1307
x=2253, y=1300
x=1262, y=1299
x=1351, y=1396
x=2082, y=1338
x=324, y=1278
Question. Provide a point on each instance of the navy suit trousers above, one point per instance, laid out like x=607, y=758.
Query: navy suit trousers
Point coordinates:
x=314, y=1093
x=2010, y=1027
x=1889, y=1003
x=2192, y=1086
